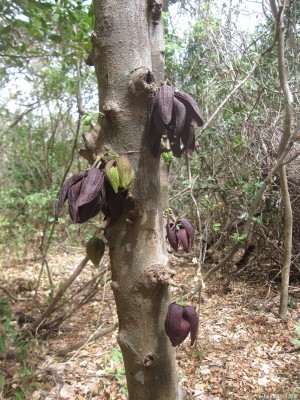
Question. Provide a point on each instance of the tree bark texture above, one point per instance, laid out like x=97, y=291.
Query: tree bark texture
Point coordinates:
x=127, y=47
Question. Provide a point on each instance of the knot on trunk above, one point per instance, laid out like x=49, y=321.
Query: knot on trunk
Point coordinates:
x=156, y=275
x=111, y=110
x=142, y=82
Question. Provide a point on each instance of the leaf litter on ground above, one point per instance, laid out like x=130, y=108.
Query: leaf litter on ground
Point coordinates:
x=241, y=351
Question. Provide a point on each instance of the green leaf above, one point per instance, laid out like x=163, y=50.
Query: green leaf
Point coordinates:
x=55, y=38
x=112, y=174
x=126, y=173
x=87, y=119
x=216, y=226
x=167, y=157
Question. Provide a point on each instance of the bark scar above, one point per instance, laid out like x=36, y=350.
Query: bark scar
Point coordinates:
x=142, y=82
x=156, y=275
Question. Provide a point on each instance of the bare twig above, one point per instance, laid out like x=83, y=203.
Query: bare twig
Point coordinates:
x=242, y=82
x=249, y=220
x=11, y=296
x=34, y=327
x=78, y=345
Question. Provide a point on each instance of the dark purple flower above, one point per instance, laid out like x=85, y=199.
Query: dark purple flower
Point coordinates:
x=180, y=233
x=85, y=193
x=180, y=321
x=172, y=112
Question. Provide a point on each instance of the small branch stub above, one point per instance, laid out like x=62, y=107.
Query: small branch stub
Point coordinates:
x=150, y=360
x=92, y=144
x=114, y=285
x=111, y=109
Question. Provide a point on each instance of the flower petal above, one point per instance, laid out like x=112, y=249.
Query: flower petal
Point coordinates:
x=73, y=196
x=171, y=235
x=187, y=136
x=190, y=230
x=191, y=106
x=190, y=314
x=183, y=239
x=91, y=186
x=180, y=114
x=90, y=210
x=164, y=101
x=63, y=195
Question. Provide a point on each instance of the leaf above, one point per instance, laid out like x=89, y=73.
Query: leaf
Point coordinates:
x=164, y=102
x=55, y=38
x=126, y=173
x=87, y=119
x=167, y=157
x=112, y=174
x=95, y=248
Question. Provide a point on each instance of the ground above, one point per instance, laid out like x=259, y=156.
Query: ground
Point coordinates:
x=244, y=351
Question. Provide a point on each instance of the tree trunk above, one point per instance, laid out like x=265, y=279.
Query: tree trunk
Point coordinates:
x=127, y=45
x=278, y=13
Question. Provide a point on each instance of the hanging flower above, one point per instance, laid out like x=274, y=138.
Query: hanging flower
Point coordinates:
x=173, y=112
x=85, y=192
x=180, y=233
x=88, y=193
x=180, y=321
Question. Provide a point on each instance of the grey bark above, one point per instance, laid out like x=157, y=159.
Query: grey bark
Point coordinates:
x=127, y=47
x=278, y=13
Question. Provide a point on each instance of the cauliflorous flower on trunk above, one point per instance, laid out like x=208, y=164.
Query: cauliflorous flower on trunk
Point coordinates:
x=172, y=112
x=85, y=192
x=180, y=321
x=180, y=233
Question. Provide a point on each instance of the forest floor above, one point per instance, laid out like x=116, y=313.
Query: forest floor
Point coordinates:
x=244, y=351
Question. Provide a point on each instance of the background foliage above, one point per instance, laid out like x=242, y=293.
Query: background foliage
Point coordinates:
x=47, y=89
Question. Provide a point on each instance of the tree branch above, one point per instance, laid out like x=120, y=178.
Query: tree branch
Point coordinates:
x=238, y=86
